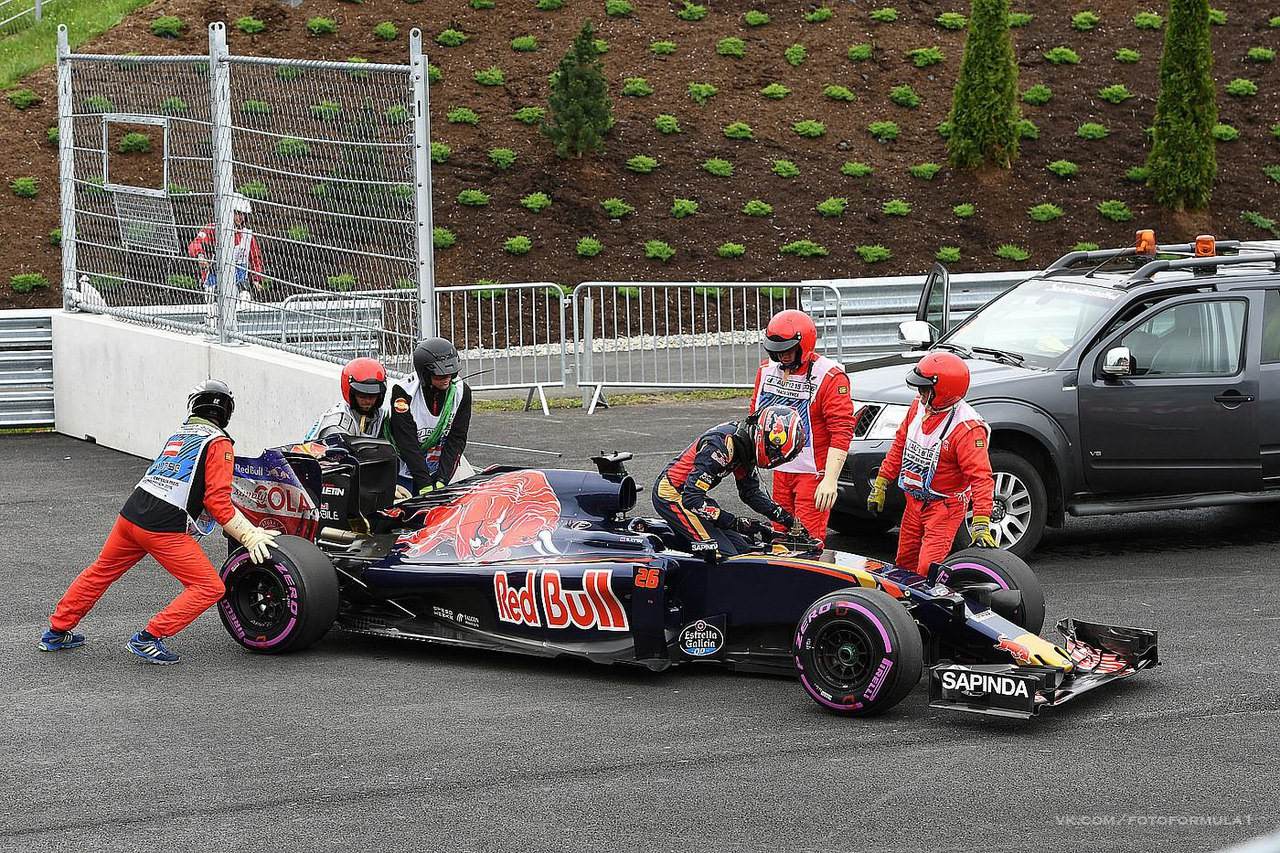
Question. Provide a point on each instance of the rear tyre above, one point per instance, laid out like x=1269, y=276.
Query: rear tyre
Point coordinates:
x=990, y=565
x=282, y=605
x=858, y=652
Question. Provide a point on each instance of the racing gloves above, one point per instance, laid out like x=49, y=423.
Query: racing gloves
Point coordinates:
x=875, y=500
x=981, y=530
x=255, y=540
x=748, y=526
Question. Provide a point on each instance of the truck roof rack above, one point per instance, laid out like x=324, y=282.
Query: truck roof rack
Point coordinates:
x=1100, y=257
x=1148, y=271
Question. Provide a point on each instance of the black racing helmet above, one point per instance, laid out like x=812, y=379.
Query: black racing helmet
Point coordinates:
x=212, y=400
x=434, y=357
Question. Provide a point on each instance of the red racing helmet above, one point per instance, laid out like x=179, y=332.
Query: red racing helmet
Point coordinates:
x=787, y=330
x=779, y=436
x=364, y=376
x=946, y=377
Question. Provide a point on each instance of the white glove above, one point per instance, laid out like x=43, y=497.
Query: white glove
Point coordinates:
x=255, y=540
x=402, y=494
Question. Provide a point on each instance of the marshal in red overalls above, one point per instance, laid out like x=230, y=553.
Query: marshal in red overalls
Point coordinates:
x=939, y=459
x=818, y=389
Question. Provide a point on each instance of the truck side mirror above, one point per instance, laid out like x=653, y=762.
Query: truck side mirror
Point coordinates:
x=915, y=333
x=1117, y=362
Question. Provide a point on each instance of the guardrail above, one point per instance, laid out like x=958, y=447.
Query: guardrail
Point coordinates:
x=26, y=369
x=872, y=308
x=681, y=334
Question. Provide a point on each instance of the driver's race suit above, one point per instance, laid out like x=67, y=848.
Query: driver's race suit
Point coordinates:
x=187, y=490
x=344, y=420
x=940, y=462
x=680, y=494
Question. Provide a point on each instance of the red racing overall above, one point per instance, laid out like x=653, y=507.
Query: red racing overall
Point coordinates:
x=940, y=462
x=820, y=393
x=199, y=456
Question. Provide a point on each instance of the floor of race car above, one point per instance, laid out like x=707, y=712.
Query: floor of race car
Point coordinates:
x=369, y=744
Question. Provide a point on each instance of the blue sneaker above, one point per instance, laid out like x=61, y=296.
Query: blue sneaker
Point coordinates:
x=152, y=651
x=56, y=641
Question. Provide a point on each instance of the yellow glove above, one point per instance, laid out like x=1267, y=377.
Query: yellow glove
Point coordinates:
x=875, y=500
x=255, y=540
x=980, y=528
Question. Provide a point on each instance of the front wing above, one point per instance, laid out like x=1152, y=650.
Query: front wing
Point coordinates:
x=1101, y=654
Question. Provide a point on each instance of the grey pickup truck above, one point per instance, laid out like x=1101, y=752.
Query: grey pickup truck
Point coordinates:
x=1117, y=380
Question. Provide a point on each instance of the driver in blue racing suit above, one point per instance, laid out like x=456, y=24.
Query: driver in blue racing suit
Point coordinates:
x=681, y=494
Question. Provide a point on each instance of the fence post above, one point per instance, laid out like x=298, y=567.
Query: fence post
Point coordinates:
x=223, y=181
x=67, y=168
x=39, y=10
x=428, y=323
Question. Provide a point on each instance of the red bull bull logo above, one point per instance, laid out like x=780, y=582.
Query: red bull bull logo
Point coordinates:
x=545, y=601
x=491, y=521
x=1016, y=650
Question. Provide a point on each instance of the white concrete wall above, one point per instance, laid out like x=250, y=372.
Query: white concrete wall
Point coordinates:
x=125, y=386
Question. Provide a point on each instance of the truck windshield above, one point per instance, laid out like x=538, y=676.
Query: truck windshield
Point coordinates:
x=1038, y=320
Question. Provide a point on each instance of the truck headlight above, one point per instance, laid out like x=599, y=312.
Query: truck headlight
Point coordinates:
x=887, y=422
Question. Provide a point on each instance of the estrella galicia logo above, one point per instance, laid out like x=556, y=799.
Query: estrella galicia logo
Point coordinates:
x=701, y=639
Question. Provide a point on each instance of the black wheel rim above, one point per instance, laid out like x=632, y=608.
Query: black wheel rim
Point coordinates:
x=260, y=599
x=844, y=655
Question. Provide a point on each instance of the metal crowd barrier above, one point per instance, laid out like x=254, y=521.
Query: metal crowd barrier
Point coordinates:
x=682, y=334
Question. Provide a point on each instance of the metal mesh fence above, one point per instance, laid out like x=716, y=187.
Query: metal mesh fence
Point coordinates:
x=127, y=116
x=324, y=155
x=310, y=170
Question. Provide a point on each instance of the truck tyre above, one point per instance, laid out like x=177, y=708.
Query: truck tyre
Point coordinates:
x=1021, y=505
x=858, y=651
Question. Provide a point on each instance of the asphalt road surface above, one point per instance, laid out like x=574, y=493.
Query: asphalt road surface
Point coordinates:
x=369, y=744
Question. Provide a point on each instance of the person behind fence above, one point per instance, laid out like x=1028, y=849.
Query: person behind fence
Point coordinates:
x=795, y=375
x=768, y=439
x=246, y=255
x=428, y=419
x=186, y=491
x=361, y=412
x=939, y=457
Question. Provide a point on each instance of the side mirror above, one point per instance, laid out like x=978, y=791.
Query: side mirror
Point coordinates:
x=915, y=333
x=1117, y=362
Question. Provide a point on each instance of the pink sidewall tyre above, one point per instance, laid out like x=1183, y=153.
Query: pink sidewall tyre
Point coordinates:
x=282, y=605
x=858, y=652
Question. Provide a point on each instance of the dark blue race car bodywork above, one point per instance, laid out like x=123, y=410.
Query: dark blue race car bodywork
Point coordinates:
x=550, y=562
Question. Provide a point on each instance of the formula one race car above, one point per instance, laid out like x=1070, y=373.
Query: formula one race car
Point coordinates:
x=549, y=562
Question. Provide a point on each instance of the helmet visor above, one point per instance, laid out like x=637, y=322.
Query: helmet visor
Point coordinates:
x=918, y=380
x=370, y=387
x=776, y=346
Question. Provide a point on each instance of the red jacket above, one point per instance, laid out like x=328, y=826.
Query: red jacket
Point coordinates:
x=830, y=414
x=203, y=246
x=963, y=462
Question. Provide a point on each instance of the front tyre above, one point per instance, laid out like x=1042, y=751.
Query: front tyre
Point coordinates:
x=974, y=566
x=858, y=652
x=282, y=605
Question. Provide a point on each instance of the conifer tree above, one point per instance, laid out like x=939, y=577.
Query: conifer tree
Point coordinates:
x=1183, y=161
x=580, y=110
x=984, y=106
